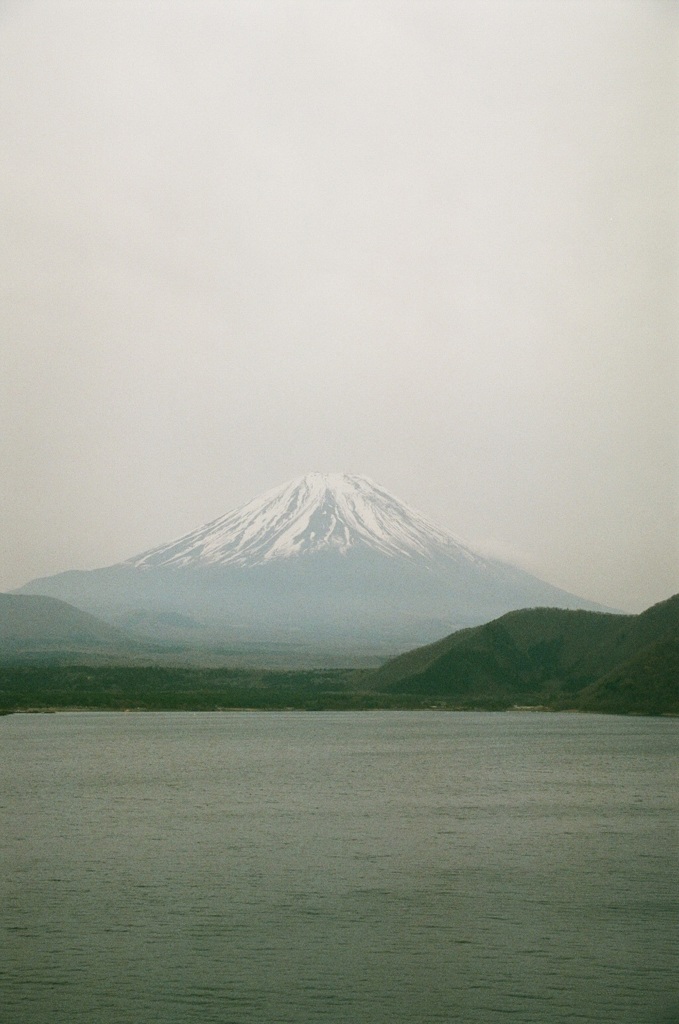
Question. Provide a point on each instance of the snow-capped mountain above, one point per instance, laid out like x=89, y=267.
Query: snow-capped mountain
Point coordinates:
x=327, y=561
x=320, y=512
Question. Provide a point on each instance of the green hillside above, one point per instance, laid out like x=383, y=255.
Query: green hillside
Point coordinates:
x=647, y=684
x=57, y=657
x=552, y=657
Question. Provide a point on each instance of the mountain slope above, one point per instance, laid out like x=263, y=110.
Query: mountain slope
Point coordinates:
x=560, y=657
x=318, y=513
x=44, y=627
x=321, y=561
x=646, y=684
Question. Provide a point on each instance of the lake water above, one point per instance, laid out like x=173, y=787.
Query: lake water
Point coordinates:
x=362, y=868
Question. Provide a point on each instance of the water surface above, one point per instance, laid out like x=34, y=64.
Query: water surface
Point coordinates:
x=377, y=867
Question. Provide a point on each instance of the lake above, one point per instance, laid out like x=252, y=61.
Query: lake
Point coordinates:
x=355, y=867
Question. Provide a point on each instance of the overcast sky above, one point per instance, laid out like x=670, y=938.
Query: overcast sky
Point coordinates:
x=431, y=242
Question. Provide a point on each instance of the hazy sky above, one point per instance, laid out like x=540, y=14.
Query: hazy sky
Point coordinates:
x=431, y=242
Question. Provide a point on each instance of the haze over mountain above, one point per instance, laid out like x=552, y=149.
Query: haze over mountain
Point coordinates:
x=40, y=628
x=328, y=559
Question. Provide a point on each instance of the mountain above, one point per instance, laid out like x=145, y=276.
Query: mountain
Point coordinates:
x=554, y=657
x=44, y=628
x=322, y=563
x=316, y=514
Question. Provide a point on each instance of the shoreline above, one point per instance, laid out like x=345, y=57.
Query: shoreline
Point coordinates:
x=5, y=713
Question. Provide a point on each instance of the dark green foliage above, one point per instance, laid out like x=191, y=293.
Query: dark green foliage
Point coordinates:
x=647, y=684
x=156, y=688
x=545, y=657
x=551, y=657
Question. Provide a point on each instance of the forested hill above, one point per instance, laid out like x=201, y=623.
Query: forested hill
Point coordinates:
x=552, y=657
x=546, y=658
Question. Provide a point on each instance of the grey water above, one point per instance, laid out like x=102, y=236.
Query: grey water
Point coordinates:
x=400, y=867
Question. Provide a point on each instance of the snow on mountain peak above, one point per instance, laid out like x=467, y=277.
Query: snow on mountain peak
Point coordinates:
x=318, y=512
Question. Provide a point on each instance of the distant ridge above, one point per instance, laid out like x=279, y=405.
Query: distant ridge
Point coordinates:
x=47, y=628
x=326, y=563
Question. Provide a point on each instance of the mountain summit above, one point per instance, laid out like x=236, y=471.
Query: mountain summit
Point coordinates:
x=317, y=513
x=326, y=562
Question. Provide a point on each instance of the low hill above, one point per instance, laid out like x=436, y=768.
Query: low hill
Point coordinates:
x=52, y=655
x=549, y=656
x=44, y=630
x=647, y=684
x=33, y=627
